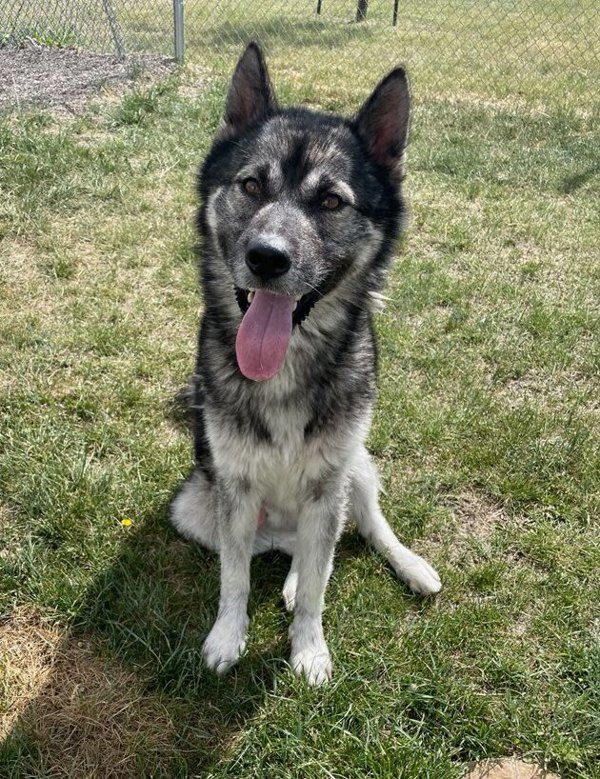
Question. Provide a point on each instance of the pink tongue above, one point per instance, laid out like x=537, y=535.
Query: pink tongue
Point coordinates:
x=264, y=334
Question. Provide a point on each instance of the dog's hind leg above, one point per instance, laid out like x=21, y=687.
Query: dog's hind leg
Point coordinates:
x=193, y=511
x=365, y=510
x=290, y=586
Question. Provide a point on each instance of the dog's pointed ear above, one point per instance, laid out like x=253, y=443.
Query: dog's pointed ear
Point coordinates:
x=250, y=97
x=383, y=123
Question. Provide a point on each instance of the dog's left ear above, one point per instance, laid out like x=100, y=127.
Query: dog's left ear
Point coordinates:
x=250, y=97
x=383, y=123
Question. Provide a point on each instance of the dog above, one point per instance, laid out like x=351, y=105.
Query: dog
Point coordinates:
x=300, y=212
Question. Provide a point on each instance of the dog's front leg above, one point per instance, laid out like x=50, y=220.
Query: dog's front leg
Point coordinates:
x=237, y=525
x=319, y=526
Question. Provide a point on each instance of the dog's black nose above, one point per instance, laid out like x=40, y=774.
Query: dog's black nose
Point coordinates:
x=266, y=261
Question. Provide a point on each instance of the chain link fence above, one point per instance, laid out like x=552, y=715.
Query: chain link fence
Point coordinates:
x=500, y=43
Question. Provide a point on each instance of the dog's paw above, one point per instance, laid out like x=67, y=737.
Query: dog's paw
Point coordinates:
x=310, y=656
x=289, y=590
x=225, y=644
x=314, y=664
x=421, y=577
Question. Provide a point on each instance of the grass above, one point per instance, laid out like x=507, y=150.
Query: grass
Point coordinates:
x=487, y=436
x=39, y=36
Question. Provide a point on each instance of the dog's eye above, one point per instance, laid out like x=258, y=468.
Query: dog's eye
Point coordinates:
x=331, y=201
x=251, y=186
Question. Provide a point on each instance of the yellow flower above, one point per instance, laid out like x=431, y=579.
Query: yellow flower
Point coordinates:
x=126, y=522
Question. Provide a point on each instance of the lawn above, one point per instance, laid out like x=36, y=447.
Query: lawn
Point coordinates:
x=487, y=435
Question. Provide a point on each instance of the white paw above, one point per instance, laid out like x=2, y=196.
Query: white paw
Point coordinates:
x=313, y=663
x=289, y=590
x=310, y=656
x=421, y=577
x=225, y=643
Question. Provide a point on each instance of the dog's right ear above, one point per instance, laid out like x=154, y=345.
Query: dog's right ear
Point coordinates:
x=250, y=98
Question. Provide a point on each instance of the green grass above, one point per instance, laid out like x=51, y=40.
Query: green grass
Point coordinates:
x=54, y=38
x=487, y=436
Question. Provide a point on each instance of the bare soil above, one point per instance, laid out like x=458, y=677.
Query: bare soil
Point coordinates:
x=507, y=768
x=64, y=78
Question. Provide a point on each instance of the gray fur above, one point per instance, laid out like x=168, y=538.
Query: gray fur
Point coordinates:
x=294, y=444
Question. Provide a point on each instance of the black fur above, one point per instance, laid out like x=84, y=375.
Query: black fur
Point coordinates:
x=280, y=448
x=338, y=384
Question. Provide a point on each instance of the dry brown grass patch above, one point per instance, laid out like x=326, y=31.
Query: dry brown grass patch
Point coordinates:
x=470, y=522
x=87, y=715
x=92, y=718
x=507, y=768
x=27, y=651
x=475, y=517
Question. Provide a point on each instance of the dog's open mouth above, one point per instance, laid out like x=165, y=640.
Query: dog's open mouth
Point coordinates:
x=266, y=328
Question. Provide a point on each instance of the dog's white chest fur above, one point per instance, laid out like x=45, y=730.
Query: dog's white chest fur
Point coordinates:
x=286, y=472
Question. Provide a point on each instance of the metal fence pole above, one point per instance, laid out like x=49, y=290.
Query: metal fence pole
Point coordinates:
x=178, y=29
x=361, y=10
x=114, y=28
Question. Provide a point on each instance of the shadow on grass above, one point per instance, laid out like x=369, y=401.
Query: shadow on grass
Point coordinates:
x=124, y=692
x=574, y=182
x=129, y=674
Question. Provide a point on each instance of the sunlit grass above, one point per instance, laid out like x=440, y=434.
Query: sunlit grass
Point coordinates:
x=486, y=435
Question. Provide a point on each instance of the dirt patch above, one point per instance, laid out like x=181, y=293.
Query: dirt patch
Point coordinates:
x=469, y=523
x=27, y=650
x=464, y=528
x=63, y=78
x=86, y=714
x=475, y=517
x=507, y=768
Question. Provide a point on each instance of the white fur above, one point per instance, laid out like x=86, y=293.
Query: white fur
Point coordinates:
x=293, y=526
x=307, y=510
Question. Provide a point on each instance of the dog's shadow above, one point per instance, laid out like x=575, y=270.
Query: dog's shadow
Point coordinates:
x=124, y=692
x=126, y=686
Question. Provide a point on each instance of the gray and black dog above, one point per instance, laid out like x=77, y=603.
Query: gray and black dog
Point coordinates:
x=299, y=215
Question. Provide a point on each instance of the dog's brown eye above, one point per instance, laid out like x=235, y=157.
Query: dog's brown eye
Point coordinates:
x=331, y=202
x=251, y=186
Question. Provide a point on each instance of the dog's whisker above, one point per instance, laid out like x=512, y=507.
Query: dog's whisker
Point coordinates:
x=311, y=286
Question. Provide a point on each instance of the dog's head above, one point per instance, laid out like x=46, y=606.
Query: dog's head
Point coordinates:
x=296, y=201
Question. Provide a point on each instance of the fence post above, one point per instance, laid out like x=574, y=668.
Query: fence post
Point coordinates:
x=114, y=28
x=178, y=29
x=395, y=14
x=361, y=10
